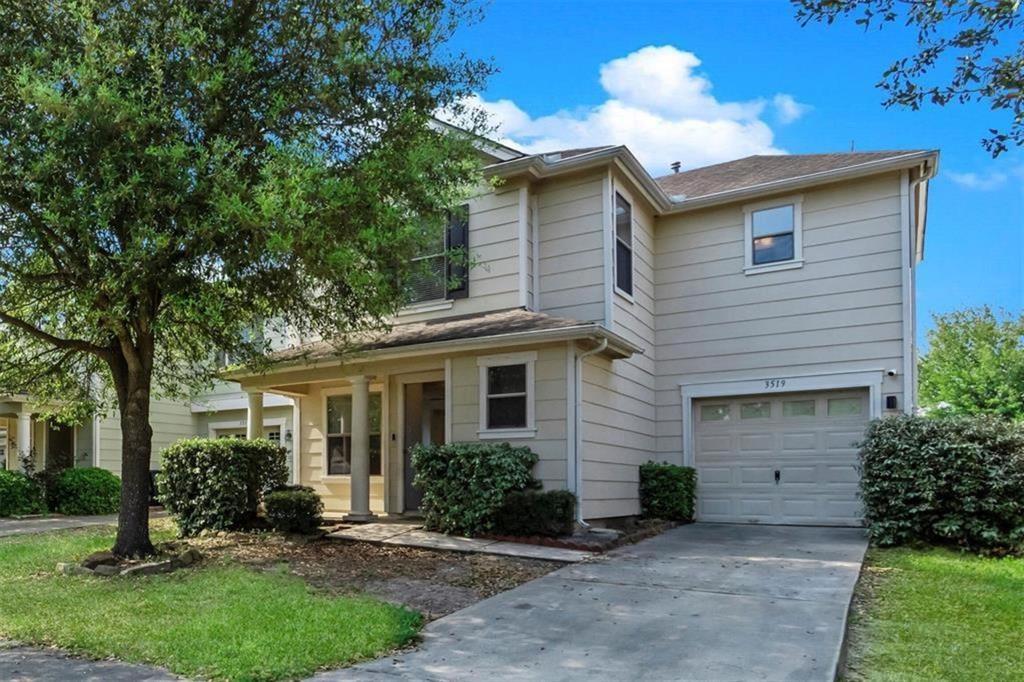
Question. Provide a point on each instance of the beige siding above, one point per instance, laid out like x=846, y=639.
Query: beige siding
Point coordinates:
x=842, y=311
x=171, y=421
x=618, y=396
x=494, y=254
x=572, y=248
x=550, y=408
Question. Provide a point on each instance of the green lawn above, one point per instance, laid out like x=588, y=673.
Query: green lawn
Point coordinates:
x=940, y=615
x=221, y=621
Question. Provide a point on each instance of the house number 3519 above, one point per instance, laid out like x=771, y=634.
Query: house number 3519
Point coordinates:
x=774, y=383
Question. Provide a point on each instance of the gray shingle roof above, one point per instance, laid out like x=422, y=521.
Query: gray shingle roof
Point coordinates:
x=758, y=170
x=429, y=331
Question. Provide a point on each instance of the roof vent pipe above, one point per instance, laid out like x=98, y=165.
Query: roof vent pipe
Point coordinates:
x=676, y=165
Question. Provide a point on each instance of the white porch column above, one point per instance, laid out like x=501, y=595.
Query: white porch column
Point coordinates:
x=254, y=417
x=24, y=437
x=359, y=510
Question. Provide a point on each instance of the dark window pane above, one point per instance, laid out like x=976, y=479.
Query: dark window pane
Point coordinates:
x=339, y=456
x=506, y=379
x=623, y=267
x=427, y=281
x=623, y=219
x=773, y=249
x=375, y=466
x=506, y=413
x=772, y=221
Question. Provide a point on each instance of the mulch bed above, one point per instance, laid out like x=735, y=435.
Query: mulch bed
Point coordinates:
x=435, y=583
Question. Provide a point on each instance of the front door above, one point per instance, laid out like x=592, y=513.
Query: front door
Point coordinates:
x=424, y=424
x=60, y=446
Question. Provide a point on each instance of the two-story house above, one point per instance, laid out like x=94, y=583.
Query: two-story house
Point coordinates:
x=747, y=318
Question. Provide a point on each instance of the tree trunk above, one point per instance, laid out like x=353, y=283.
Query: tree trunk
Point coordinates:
x=136, y=447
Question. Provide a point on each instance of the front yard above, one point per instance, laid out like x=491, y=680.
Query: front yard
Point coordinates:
x=937, y=615
x=257, y=607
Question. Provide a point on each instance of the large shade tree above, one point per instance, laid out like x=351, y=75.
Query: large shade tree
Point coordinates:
x=177, y=173
x=965, y=51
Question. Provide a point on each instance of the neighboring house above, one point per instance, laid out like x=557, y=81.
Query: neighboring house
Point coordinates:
x=747, y=318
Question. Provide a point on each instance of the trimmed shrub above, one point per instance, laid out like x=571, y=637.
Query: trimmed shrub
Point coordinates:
x=667, y=491
x=464, y=484
x=217, y=484
x=84, y=492
x=294, y=509
x=19, y=495
x=954, y=480
x=534, y=512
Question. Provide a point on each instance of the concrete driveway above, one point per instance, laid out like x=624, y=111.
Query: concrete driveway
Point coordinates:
x=701, y=602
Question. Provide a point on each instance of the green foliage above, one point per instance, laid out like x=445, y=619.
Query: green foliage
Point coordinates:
x=975, y=364
x=175, y=175
x=296, y=509
x=973, y=47
x=954, y=480
x=534, y=512
x=217, y=484
x=19, y=495
x=464, y=484
x=84, y=492
x=937, y=614
x=280, y=629
x=667, y=491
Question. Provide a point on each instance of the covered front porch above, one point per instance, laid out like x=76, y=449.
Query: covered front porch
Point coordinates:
x=25, y=434
x=507, y=376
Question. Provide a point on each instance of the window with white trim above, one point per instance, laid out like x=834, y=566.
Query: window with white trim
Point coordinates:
x=623, y=245
x=338, y=460
x=506, y=395
x=440, y=269
x=773, y=235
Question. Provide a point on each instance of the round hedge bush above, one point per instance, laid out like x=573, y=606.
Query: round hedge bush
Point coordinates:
x=19, y=495
x=85, y=492
x=217, y=484
x=950, y=480
x=295, y=509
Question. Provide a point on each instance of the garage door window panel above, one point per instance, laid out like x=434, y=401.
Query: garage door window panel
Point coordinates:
x=714, y=413
x=757, y=410
x=845, y=407
x=798, y=408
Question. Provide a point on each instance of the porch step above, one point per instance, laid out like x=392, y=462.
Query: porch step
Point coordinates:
x=413, y=535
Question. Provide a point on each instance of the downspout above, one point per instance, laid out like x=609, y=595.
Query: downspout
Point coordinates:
x=578, y=445
x=927, y=173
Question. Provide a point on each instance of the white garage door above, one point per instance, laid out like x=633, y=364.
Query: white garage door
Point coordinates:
x=780, y=458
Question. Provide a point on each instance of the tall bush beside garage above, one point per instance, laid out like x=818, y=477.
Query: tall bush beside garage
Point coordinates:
x=951, y=480
x=667, y=491
x=464, y=484
x=217, y=484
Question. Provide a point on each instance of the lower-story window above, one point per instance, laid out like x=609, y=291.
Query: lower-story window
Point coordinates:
x=506, y=393
x=339, y=435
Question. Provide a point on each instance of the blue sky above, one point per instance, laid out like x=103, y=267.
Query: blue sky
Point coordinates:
x=573, y=71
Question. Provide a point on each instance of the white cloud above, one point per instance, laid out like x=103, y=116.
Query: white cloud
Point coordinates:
x=660, y=107
x=983, y=182
x=787, y=109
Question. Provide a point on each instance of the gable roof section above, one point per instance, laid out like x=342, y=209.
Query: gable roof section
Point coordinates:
x=761, y=170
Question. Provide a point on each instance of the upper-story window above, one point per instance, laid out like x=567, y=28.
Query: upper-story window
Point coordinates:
x=623, y=245
x=440, y=270
x=773, y=235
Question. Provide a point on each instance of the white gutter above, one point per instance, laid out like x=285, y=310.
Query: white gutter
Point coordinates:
x=537, y=167
x=577, y=462
x=918, y=213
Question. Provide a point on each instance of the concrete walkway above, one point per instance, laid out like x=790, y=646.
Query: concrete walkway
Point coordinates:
x=701, y=602
x=413, y=535
x=48, y=523
x=22, y=664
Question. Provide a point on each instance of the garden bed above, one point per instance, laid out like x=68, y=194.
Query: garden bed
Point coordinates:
x=433, y=582
x=594, y=539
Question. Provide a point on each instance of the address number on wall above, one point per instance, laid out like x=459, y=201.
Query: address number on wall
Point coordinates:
x=774, y=383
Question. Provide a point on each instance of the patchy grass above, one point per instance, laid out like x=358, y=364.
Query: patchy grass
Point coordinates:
x=937, y=615
x=220, y=621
